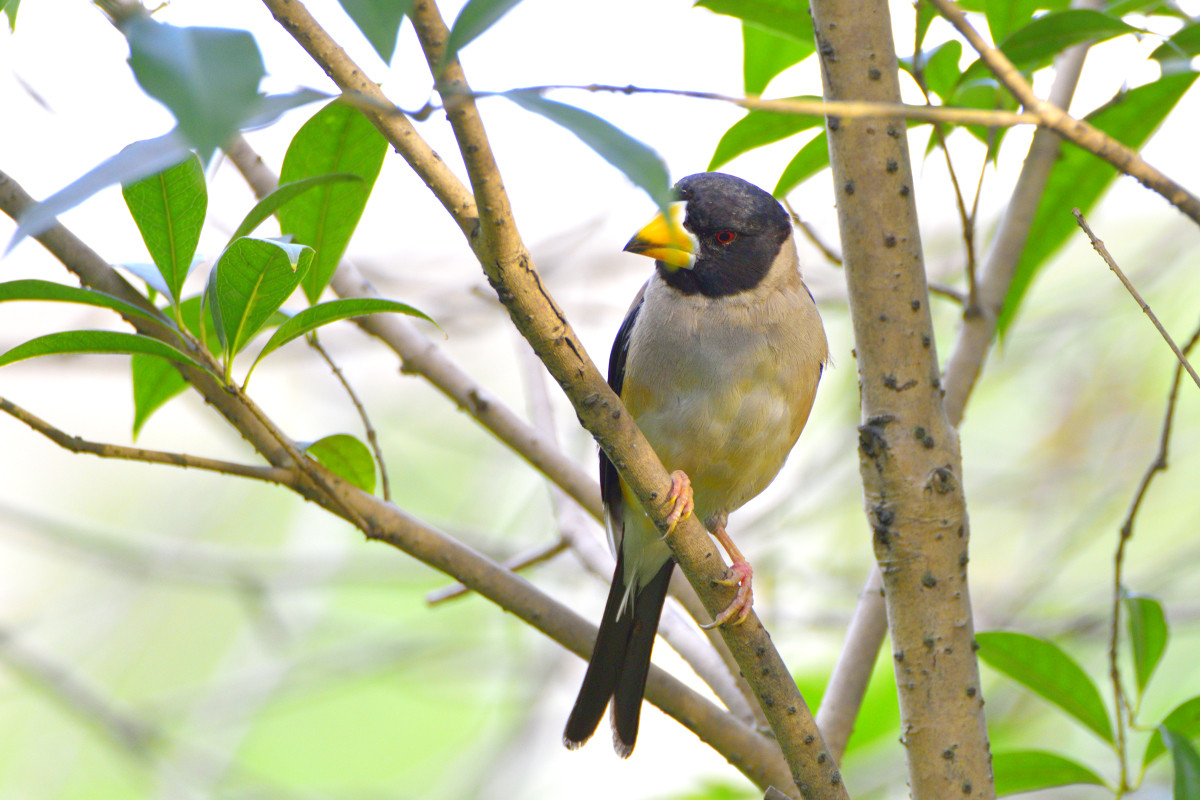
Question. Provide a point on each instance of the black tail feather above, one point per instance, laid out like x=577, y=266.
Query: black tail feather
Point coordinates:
x=631, y=682
x=620, y=663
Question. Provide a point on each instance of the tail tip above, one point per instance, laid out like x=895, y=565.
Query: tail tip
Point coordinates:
x=623, y=748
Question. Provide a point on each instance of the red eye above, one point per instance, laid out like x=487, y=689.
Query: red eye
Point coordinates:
x=725, y=237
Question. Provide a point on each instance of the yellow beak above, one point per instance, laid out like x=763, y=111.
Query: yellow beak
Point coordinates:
x=665, y=240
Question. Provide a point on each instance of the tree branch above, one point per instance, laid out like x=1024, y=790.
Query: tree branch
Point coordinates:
x=909, y=455
x=978, y=329
x=493, y=237
x=1159, y=464
x=971, y=346
x=755, y=756
x=1076, y=131
x=1133, y=292
x=421, y=356
x=279, y=475
x=848, y=109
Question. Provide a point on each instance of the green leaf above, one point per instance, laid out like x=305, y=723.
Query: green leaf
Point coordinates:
x=338, y=139
x=169, y=209
x=475, y=18
x=1029, y=770
x=155, y=381
x=766, y=53
x=640, y=164
x=379, y=21
x=286, y=193
x=210, y=310
x=91, y=341
x=926, y=13
x=1048, y=35
x=251, y=281
x=811, y=159
x=1079, y=178
x=1035, y=45
x=1184, y=719
x=785, y=17
x=1119, y=8
x=191, y=309
x=941, y=69
x=985, y=94
x=1043, y=667
x=324, y=313
x=347, y=457
x=1175, y=54
x=207, y=77
x=32, y=289
x=1148, y=634
x=10, y=10
x=1187, y=764
x=1005, y=16
x=758, y=128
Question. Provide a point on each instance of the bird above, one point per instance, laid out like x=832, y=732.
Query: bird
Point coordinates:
x=718, y=361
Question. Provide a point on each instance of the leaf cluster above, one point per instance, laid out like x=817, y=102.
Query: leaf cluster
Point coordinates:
x=328, y=173
x=1046, y=669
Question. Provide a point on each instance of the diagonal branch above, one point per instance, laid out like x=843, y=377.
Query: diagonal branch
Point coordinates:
x=1099, y=247
x=749, y=752
x=493, y=237
x=1076, y=131
x=421, y=356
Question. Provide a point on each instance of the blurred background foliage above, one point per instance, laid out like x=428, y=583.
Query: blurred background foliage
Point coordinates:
x=178, y=634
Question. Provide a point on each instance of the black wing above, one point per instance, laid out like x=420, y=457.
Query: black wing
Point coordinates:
x=610, y=481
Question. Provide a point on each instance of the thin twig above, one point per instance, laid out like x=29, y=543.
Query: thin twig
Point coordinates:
x=811, y=234
x=1108, y=259
x=845, y=109
x=535, y=555
x=948, y=292
x=105, y=450
x=368, y=428
x=1159, y=464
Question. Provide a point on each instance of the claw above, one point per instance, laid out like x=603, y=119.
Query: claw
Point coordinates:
x=742, y=604
x=681, y=499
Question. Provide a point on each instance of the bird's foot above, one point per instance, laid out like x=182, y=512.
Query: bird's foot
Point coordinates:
x=680, y=497
x=743, y=602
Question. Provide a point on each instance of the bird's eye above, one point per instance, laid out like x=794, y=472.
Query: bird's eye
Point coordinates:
x=725, y=237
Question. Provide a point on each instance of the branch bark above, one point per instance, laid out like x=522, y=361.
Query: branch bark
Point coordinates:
x=908, y=452
x=971, y=347
x=420, y=355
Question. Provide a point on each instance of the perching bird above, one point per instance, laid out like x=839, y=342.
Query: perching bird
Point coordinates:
x=718, y=361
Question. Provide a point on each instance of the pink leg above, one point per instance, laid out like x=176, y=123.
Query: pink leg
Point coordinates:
x=743, y=602
x=681, y=497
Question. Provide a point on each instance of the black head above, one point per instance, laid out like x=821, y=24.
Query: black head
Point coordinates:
x=739, y=230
